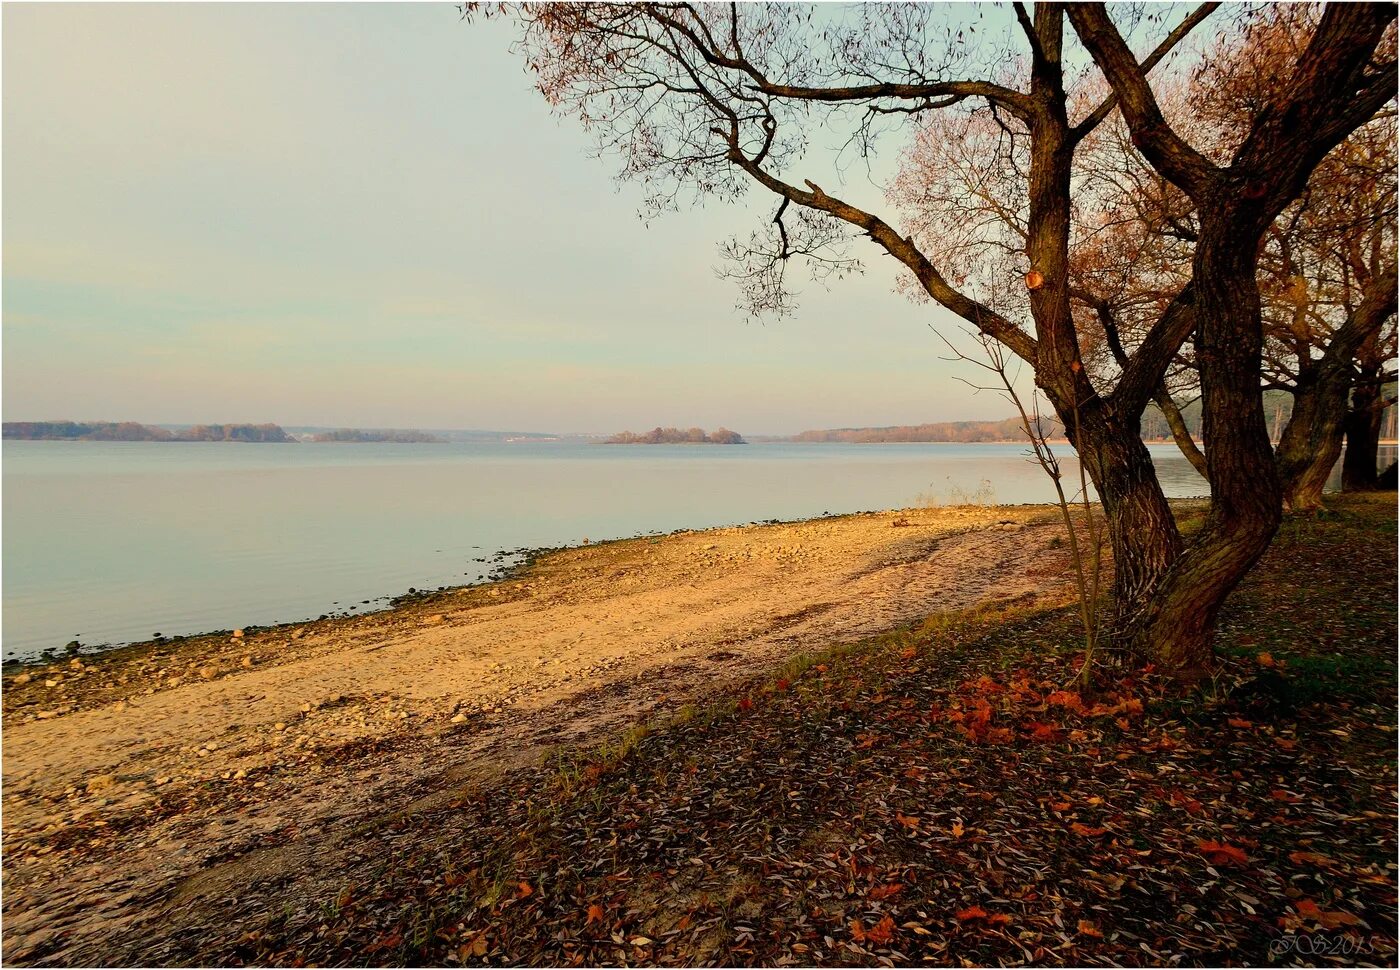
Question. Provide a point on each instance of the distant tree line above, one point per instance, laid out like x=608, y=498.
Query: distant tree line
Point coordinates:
x=358, y=436
x=132, y=431
x=968, y=432
x=676, y=436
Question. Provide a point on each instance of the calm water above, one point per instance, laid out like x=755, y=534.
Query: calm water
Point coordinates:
x=113, y=542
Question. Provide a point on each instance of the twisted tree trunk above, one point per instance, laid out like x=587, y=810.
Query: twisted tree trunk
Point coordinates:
x=1173, y=628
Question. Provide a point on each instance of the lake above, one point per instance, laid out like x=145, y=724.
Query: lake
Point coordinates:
x=109, y=542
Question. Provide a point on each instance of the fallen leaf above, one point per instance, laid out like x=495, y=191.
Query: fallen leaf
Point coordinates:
x=1067, y=699
x=1327, y=919
x=595, y=913
x=1086, y=830
x=958, y=829
x=1087, y=928
x=1304, y=858
x=886, y=891
x=1222, y=854
x=881, y=932
x=969, y=914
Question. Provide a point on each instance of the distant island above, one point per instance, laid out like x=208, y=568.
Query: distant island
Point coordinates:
x=131, y=431
x=676, y=436
x=253, y=433
x=359, y=436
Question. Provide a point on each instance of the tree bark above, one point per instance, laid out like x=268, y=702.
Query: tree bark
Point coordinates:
x=1142, y=531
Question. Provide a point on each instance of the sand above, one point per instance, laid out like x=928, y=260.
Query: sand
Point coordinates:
x=165, y=771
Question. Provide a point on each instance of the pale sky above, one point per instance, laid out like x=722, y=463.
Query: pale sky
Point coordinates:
x=363, y=215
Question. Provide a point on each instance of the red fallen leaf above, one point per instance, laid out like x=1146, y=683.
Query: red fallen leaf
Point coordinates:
x=1043, y=732
x=1239, y=722
x=684, y=923
x=915, y=773
x=1305, y=858
x=1132, y=706
x=970, y=914
x=909, y=653
x=958, y=829
x=1087, y=831
x=1278, y=794
x=1000, y=735
x=1186, y=802
x=1067, y=699
x=745, y=704
x=595, y=913
x=1287, y=744
x=908, y=821
x=886, y=891
x=1222, y=854
x=525, y=889
x=1087, y=928
x=781, y=685
x=881, y=932
x=822, y=668
x=1327, y=919
x=1267, y=659
x=1061, y=806
x=981, y=714
x=999, y=919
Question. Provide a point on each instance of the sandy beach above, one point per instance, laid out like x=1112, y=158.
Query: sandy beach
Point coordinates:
x=163, y=772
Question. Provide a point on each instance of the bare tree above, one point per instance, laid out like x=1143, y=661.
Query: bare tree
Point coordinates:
x=706, y=100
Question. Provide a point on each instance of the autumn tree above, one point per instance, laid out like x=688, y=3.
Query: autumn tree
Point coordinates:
x=709, y=100
x=1327, y=283
x=1327, y=266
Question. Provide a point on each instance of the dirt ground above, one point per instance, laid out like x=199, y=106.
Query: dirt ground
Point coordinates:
x=197, y=768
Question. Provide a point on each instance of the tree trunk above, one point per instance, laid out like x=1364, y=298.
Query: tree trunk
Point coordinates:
x=1363, y=435
x=1141, y=529
x=1174, y=628
x=1312, y=440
